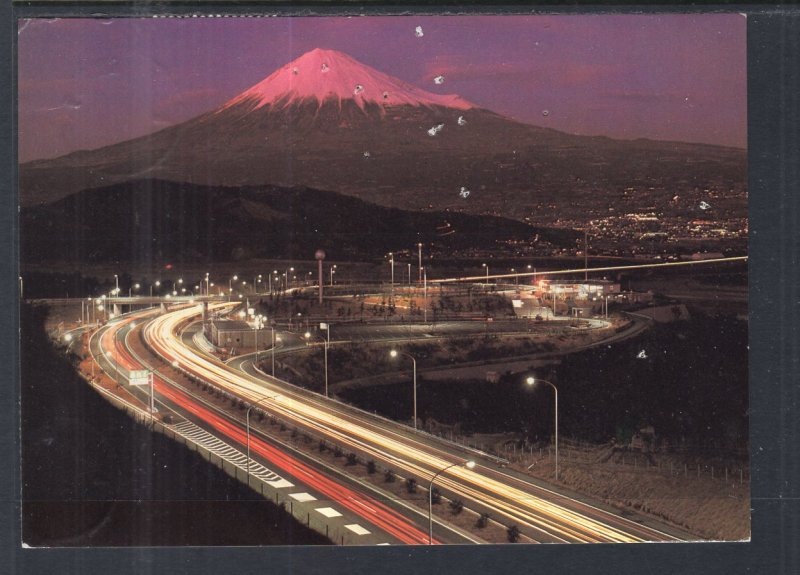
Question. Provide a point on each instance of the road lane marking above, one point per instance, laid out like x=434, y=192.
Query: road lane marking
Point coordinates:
x=221, y=449
x=328, y=512
x=357, y=529
x=302, y=497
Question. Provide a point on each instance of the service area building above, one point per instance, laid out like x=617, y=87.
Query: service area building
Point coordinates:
x=232, y=334
x=578, y=290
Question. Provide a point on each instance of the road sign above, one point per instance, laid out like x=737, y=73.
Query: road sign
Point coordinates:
x=138, y=377
x=323, y=326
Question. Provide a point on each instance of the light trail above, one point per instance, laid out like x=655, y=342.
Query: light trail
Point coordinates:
x=409, y=455
x=369, y=509
x=581, y=270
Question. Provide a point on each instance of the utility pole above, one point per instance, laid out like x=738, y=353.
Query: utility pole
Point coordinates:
x=585, y=254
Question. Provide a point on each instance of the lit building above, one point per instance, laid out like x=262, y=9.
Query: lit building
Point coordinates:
x=577, y=290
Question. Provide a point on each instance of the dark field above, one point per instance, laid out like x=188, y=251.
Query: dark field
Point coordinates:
x=93, y=477
x=691, y=387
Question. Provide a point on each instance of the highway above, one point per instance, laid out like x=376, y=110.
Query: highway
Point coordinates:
x=369, y=519
x=541, y=514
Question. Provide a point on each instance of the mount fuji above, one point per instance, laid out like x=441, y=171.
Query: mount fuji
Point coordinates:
x=327, y=121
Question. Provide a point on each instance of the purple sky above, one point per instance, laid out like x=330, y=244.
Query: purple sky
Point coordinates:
x=88, y=83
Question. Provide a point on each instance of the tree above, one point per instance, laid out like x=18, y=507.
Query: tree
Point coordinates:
x=370, y=467
x=483, y=521
x=513, y=534
x=456, y=506
x=436, y=496
x=389, y=477
x=411, y=485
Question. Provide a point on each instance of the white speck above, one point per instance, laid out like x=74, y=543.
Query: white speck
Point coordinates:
x=461, y=121
x=704, y=205
x=418, y=32
x=464, y=193
x=366, y=154
x=359, y=88
x=295, y=71
x=642, y=355
x=438, y=80
x=545, y=112
x=324, y=67
x=386, y=95
x=435, y=130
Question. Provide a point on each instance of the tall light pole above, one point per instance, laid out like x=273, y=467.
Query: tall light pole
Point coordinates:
x=247, y=420
x=469, y=465
x=532, y=381
x=134, y=287
x=308, y=336
x=585, y=254
x=157, y=284
x=419, y=256
x=391, y=262
x=333, y=271
x=230, y=283
x=487, y=272
x=409, y=275
x=425, y=295
x=273, y=348
x=116, y=282
x=208, y=285
x=395, y=353
x=319, y=255
x=258, y=323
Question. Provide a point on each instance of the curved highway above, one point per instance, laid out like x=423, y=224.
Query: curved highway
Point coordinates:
x=540, y=513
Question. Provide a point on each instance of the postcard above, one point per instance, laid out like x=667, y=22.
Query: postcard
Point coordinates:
x=383, y=280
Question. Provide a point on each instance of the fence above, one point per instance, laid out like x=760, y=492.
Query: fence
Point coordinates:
x=338, y=534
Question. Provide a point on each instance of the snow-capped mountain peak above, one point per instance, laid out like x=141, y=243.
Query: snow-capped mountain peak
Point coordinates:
x=328, y=74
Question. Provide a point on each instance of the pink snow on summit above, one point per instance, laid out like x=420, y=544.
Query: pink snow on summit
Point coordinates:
x=323, y=74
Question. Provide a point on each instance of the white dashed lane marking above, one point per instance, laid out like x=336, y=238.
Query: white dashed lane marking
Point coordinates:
x=328, y=512
x=302, y=497
x=357, y=529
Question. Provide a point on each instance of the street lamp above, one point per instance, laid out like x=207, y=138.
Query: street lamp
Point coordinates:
x=532, y=381
x=116, y=281
x=247, y=419
x=258, y=323
x=309, y=335
x=487, y=272
x=274, y=339
x=419, y=255
x=230, y=282
x=333, y=271
x=391, y=261
x=469, y=465
x=395, y=353
x=157, y=284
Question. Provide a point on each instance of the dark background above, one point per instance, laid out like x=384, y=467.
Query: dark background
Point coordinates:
x=774, y=151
